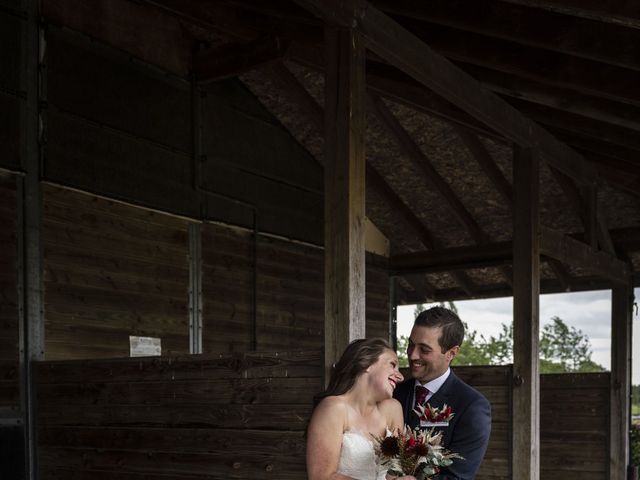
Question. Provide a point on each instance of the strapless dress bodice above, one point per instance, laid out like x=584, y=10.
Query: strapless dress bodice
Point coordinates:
x=357, y=457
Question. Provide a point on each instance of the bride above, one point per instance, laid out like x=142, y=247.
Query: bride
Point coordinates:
x=356, y=406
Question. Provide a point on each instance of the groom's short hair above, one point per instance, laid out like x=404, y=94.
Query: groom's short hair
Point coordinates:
x=452, y=326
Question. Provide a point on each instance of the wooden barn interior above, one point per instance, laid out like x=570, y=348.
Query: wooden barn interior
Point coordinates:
x=256, y=183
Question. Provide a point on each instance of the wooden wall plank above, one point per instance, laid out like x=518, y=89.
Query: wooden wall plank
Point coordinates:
x=10, y=107
x=115, y=415
x=118, y=164
x=100, y=89
x=574, y=436
x=119, y=23
x=218, y=465
x=192, y=367
x=9, y=352
x=270, y=417
x=205, y=440
x=112, y=271
x=290, y=293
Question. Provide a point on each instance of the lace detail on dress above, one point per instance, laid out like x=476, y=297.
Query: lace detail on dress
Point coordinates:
x=357, y=457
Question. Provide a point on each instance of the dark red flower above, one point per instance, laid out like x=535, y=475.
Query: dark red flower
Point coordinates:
x=389, y=446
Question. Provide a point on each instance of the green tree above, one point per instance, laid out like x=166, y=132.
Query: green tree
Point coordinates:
x=562, y=349
x=566, y=346
x=473, y=350
x=403, y=343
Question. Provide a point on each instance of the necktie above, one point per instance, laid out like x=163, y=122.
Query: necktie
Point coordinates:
x=421, y=394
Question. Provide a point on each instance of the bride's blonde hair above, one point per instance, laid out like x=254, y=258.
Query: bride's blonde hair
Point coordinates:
x=356, y=358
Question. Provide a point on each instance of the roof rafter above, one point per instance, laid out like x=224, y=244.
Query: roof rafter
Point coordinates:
x=491, y=169
x=517, y=23
x=619, y=13
x=407, y=52
x=422, y=161
x=315, y=113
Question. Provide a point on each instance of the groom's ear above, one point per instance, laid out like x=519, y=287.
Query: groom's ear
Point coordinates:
x=452, y=352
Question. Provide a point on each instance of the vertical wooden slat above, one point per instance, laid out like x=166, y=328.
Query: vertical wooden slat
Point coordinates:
x=344, y=191
x=526, y=287
x=30, y=275
x=621, y=306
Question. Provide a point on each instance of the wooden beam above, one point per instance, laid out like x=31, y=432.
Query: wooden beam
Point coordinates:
x=423, y=163
x=586, y=209
x=557, y=98
x=390, y=83
x=551, y=285
x=424, y=234
x=344, y=192
x=221, y=19
x=561, y=273
x=573, y=252
x=526, y=323
x=626, y=14
x=396, y=86
x=619, y=421
x=604, y=237
x=411, y=55
x=423, y=290
x=585, y=130
x=315, y=113
x=233, y=59
x=299, y=94
x=451, y=259
x=488, y=165
x=515, y=23
x=500, y=253
x=543, y=66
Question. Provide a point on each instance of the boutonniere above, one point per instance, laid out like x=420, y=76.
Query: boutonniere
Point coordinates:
x=432, y=416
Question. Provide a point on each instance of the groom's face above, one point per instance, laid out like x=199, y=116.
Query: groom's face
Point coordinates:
x=426, y=358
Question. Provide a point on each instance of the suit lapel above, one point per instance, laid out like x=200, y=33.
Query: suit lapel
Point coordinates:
x=445, y=394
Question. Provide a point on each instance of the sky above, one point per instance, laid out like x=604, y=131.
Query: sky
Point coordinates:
x=589, y=312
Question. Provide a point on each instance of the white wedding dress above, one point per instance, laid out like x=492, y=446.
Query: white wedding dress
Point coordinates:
x=358, y=459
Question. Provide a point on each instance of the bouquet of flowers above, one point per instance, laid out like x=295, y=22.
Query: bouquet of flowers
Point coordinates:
x=413, y=452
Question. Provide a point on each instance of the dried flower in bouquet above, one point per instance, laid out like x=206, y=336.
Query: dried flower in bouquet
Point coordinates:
x=413, y=452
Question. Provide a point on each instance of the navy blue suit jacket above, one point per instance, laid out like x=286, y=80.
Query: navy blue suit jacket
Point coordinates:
x=468, y=430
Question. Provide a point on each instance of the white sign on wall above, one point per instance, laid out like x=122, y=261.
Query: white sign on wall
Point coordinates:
x=144, y=346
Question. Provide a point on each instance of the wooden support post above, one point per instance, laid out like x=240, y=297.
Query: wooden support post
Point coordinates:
x=621, y=306
x=526, y=288
x=30, y=252
x=344, y=211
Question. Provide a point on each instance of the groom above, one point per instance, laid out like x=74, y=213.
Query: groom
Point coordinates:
x=435, y=340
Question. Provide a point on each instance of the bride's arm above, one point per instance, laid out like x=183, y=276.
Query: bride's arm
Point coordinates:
x=392, y=411
x=324, y=440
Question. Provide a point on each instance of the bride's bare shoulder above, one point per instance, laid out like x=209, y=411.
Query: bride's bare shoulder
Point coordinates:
x=333, y=404
x=390, y=408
